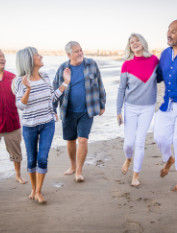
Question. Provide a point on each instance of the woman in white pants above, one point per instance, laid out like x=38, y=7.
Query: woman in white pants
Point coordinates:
x=137, y=90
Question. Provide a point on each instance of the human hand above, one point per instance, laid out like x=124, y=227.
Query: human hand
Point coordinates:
x=101, y=112
x=25, y=82
x=56, y=117
x=67, y=75
x=119, y=119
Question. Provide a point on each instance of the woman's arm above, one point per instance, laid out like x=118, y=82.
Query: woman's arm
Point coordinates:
x=18, y=90
x=122, y=88
x=25, y=97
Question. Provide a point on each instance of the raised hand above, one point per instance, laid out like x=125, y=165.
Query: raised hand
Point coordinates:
x=67, y=75
x=25, y=82
x=119, y=119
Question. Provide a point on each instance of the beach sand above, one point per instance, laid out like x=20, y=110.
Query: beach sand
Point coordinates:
x=104, y=203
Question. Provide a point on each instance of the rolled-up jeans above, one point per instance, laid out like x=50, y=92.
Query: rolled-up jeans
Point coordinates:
x=38, y=141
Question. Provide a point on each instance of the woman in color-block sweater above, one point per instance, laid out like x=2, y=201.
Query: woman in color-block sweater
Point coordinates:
x=137, y=90
x=34, y=96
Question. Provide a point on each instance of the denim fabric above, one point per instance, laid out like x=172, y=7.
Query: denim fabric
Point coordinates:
x=76, y=125
x=38, y=141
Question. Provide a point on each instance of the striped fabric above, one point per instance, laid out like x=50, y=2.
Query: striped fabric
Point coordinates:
x=39, y=109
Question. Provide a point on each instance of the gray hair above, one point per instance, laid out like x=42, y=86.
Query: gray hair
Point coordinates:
x=69, y=45
x=129, y=53
x=24, y=61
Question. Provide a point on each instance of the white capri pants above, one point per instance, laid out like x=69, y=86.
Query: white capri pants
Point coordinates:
x=137, y=120
x=165, y=132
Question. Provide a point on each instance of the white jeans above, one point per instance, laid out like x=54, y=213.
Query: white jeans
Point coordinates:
x=137, y=120
x=165, y=132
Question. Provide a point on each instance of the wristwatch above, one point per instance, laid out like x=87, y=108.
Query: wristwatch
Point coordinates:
x=64, y=84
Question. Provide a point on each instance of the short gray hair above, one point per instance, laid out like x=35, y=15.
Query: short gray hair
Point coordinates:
x=129, y=53
x=69, y=45
x=24, y=61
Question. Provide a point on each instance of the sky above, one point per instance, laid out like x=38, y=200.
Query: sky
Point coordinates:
x=95, y=24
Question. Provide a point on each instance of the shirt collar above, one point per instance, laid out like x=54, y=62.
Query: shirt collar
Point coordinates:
x=86, y=62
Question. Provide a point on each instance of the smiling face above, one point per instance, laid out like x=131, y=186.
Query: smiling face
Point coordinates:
x=2, y=61
x=37, y=59
x=76, y=56
x=172, y=34
x=136, y=46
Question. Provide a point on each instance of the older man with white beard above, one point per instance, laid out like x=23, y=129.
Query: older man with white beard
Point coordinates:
x=165, y=128
x=9, y=118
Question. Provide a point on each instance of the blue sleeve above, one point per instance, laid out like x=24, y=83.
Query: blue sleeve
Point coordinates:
x=159, y=74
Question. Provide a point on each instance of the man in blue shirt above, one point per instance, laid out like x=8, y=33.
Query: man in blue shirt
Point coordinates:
x=83, y=99
x=165, y=128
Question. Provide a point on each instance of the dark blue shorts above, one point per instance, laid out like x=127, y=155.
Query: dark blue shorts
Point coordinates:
x=76, y=125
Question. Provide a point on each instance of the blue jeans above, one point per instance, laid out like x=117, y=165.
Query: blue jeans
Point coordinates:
x=38, y=141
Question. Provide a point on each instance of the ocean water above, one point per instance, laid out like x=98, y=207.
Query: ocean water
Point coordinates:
x=105, y=127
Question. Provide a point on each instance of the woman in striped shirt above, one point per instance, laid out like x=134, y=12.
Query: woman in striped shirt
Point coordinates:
x=34, y=96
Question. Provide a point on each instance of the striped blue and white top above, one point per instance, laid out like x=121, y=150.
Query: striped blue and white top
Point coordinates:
x=39, y=109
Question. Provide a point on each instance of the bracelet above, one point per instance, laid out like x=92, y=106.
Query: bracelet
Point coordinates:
x=64, y=84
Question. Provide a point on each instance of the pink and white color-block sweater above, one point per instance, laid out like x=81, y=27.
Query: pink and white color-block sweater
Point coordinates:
x=138, y=82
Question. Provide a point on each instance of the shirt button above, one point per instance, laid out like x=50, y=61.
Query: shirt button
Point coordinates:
x=169, y=83
x=171, y=67
x=168, y=90
x=169, y=75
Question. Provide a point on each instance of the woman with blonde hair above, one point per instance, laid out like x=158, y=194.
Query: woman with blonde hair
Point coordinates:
x=137, y=90
x=34, y=96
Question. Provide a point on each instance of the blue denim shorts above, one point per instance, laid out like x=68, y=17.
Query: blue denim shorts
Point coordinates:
x=38, y=141
x=76, y=125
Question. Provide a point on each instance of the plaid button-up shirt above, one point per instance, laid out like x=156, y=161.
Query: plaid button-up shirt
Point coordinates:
x=95, y=92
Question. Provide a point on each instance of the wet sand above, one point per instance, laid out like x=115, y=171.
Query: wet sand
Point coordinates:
x=104, y=203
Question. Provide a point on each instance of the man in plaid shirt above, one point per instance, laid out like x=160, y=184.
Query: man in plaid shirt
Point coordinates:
x=83, y=99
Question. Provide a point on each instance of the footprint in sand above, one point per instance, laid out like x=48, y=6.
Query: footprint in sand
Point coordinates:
x=126, y=195
x=153, y=206
x=156, y=156
x=132, y=226
x=120, y=181
x=100, y=163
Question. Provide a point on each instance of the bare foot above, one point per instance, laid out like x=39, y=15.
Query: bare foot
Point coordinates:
x=32, y=195
x=70, y=171
x=20, y=180
x=79, y=178
x=174, y=188
x=166, y=169
x=125, y=166
x=135, y=182
x=40, y=198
